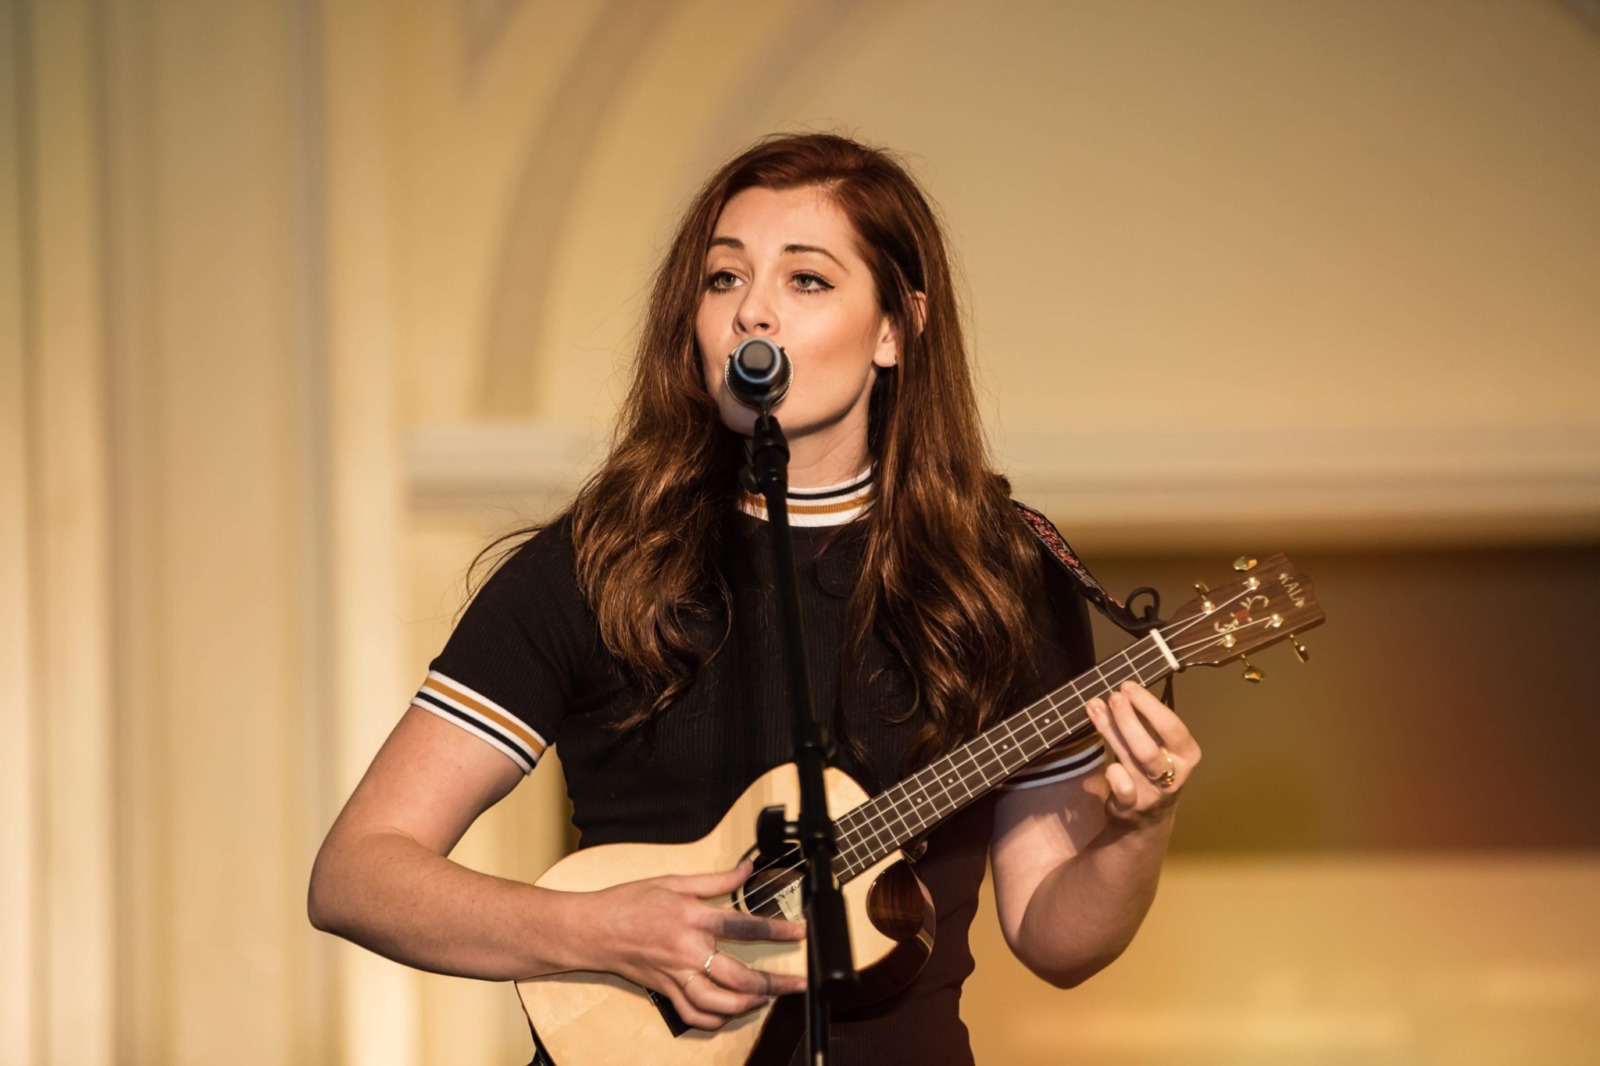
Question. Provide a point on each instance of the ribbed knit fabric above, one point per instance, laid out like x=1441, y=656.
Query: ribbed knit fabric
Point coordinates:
x=528, y=645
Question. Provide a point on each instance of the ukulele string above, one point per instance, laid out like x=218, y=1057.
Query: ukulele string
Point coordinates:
x=1153, y=657
x=756, y=904
x=1148, y=657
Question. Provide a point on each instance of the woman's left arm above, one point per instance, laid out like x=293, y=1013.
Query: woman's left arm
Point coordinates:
x=1076, y=863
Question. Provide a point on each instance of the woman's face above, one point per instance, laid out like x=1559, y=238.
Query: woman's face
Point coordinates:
x=783, y=264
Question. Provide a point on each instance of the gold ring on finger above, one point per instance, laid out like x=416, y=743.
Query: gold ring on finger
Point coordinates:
x=705, y=967
x=687, y=981
x=1166, y=777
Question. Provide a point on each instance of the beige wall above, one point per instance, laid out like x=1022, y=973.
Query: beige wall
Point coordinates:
x=298, y=302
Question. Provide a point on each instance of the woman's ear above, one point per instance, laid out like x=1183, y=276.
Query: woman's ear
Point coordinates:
x=888, y=353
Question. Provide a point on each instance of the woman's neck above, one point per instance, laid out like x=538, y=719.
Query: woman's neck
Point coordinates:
x=815, y=464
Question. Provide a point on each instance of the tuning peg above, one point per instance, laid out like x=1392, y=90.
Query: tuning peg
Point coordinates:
x=1300, y=650
x=1251, y=674
x=1243, y=563
x=1205, y=597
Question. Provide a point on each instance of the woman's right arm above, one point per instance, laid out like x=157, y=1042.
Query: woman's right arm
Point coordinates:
x=383, y=880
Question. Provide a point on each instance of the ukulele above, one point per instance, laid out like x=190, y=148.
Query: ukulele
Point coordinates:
x=581, y=1018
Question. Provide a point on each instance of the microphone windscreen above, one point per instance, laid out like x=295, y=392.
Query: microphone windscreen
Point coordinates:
x=758, y=373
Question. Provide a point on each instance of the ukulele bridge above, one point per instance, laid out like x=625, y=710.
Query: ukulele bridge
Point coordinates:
x=789, y=903
x=773, y=890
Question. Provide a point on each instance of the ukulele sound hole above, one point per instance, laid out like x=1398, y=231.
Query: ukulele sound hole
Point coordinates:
x=773, y=890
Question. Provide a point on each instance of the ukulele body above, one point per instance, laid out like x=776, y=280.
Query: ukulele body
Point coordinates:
x=581, y=1018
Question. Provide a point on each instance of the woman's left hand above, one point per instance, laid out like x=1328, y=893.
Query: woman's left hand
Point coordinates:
x=1155, y=755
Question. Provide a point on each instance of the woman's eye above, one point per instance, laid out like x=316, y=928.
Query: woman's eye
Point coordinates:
x=811, y=283
x=722, y=280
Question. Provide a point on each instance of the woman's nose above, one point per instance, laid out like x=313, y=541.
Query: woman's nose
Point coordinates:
x=757, y=311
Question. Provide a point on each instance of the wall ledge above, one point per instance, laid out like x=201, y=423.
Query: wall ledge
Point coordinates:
x=1347, y=487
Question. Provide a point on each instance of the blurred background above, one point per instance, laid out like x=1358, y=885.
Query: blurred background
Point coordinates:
x=301, y=302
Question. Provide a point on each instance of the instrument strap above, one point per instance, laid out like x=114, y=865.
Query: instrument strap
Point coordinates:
x=1089, y=585
x=1062, y=553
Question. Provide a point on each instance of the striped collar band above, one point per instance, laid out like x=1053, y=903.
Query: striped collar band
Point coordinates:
x=831, y=505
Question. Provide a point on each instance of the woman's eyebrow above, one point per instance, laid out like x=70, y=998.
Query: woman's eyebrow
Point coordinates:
x=788, y=249
x=797, y=249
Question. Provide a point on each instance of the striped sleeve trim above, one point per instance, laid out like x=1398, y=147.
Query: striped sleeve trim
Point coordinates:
x=1075, y=763
x=477, y=714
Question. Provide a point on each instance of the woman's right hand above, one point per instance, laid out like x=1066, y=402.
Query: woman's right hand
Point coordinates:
x=661, y=934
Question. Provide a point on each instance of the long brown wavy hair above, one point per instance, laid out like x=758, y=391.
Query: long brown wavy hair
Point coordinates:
x=946, y=561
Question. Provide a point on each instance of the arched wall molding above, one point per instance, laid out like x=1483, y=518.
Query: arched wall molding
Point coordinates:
x=693, y=73
x=1586, y=10
x=555, y=156
x=483, y=24
x=743, y=116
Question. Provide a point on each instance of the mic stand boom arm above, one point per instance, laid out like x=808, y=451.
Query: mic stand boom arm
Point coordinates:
x=829, y=967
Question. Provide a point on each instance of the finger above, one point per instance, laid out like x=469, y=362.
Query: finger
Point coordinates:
x=731, y=973
x=1167, y=726
x=1106, y=726
x=1148, y=754
x=737, y=925
x=687, y=1010
x=1124, y=798
x=712, y=998
x=710, y=885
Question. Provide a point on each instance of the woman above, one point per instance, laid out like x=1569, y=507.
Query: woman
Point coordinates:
x=634, y=633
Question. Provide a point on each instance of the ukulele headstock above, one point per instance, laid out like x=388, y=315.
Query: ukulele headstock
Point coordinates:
x=1264, y=604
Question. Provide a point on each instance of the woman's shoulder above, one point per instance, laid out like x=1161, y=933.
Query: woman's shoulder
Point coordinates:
x=536, y=564
x=541, y=545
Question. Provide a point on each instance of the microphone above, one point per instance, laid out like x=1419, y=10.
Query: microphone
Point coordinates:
x=758, y=374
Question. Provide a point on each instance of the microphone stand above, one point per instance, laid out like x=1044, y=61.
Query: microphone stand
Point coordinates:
x=829, y=966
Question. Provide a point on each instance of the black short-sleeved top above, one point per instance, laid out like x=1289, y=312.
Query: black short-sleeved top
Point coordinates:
x=526, y=668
